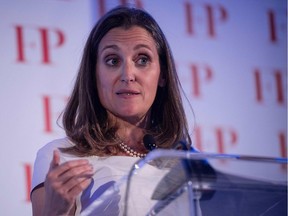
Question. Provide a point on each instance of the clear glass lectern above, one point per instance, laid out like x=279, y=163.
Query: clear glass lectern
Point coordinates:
x=179, y=183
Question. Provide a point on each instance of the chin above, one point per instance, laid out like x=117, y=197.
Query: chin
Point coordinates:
x=132, y=117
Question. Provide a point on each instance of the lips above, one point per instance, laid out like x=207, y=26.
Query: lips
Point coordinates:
x=127, y=92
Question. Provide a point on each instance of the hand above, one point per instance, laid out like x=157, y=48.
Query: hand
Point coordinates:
x=64, y=183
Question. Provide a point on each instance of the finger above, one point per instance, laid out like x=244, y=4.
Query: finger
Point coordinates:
x=79, y=182
x=81, y=186
x=70, y=167
x=76, y=173
x=67, y=171
x=55, y=160
x=69, y=179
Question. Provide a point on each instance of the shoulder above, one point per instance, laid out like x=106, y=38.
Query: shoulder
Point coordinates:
x=56, y=144
x=45, y=153
x=44, y=157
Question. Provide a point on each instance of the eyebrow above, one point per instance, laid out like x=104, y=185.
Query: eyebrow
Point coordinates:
x=115, y=47
x=110, y=46
x=138, y=46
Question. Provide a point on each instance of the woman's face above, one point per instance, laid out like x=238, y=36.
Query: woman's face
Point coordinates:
x=128, y=72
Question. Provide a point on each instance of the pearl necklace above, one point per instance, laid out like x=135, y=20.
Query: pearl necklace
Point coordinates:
x=130, y=151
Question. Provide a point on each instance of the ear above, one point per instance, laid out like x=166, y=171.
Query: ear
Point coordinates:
x=161, y=82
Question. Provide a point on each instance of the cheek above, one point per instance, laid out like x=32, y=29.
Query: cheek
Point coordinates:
x=102, y=87
x=105, y=85
x=102, y=78
x=103, y=93
x=152, y=86
x=102, y=83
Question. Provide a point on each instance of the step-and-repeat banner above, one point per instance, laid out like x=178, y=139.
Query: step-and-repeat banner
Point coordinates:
x=230, y=55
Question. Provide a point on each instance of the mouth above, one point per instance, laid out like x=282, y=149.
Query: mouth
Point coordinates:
x=127, y=93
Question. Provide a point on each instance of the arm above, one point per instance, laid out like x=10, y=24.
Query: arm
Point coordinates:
x=38, y=200
x=63, y=184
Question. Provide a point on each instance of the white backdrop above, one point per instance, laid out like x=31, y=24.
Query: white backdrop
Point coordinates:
x=231, y=57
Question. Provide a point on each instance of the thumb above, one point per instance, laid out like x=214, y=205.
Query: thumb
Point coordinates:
x=55, y=160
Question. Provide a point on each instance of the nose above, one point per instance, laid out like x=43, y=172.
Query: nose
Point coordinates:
x=128, y=72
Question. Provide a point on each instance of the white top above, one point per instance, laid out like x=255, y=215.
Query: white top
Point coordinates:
x=108, y=171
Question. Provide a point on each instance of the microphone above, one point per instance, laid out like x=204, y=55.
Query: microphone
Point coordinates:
x=149, y=142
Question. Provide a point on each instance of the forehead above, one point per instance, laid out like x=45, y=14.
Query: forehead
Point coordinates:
x=133, y=35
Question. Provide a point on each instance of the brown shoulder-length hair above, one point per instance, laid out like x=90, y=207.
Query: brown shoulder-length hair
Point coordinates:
x=85, y=120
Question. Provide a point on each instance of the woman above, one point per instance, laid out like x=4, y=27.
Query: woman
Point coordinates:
x=127, y=86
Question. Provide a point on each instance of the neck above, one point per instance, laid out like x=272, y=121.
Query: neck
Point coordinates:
x=130, y=121
x=130, y=130
x=131, y=136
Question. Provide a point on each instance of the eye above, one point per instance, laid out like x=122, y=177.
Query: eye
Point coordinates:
x=112, y=61
x=143, y=60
